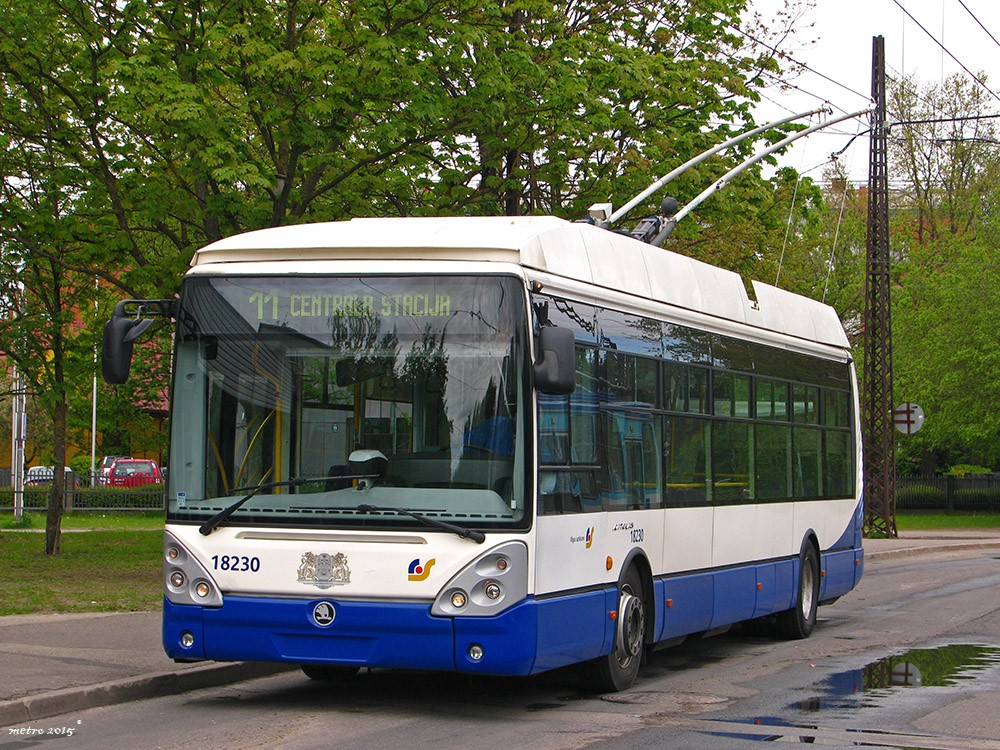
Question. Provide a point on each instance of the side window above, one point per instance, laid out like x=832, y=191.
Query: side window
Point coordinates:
x=632, y=461
x=806, y=462
x=553, y=429
x=838, y=437
x=584, y=406
x=772, y=461
x=571, y=470
x=684, y=460
x=731, y=395
x=647, y=382
x=641, y=431
x=839, y=464
x=730, y=461
x=765, y=398
x=836, y=409
x=805, y=404
x=685, y=388
x=697, y=390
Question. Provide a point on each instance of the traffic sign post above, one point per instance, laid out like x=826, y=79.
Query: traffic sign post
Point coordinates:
x=908, y=418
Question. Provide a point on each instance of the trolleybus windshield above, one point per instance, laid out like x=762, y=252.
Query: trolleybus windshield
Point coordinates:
x=383, y=392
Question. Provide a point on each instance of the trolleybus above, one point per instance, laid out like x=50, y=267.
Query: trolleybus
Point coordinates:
x=496, y=446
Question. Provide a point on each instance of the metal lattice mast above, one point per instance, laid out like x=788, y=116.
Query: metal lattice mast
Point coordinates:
x=877, y=426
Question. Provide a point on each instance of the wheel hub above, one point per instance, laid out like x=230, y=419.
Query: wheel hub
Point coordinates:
x=631, y=628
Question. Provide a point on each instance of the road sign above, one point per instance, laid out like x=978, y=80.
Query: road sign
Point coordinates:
x=908, y=418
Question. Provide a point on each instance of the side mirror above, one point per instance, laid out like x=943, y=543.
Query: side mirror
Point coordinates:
x=120, y=333
x=555, y=370
x=116, y=354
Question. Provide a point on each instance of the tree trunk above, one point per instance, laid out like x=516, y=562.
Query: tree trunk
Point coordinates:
x=53, y=519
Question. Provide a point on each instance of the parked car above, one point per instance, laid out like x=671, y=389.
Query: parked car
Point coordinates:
x=134, y=472
x=37, y=475
x=105, y=468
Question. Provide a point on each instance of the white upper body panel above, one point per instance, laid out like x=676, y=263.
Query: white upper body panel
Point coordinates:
x=576, y=252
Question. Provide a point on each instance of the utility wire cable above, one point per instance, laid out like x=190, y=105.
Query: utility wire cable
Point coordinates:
x=788, y=224
x=948, y=52
x=990, y=35
x=786, y=56
x=964, y=118
x=788, y=84
x=836, y=237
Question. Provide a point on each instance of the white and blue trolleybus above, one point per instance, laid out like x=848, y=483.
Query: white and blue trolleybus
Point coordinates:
x=495, y=446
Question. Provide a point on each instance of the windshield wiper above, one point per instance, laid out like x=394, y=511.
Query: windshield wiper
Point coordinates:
x=477, y=536
x=219, y=518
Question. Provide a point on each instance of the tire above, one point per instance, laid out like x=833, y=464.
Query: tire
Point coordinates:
x=617, y=671
x=799, y=621
x=329, y=672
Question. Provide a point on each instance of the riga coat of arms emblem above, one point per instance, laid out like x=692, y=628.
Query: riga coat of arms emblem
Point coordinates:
x=324, y=570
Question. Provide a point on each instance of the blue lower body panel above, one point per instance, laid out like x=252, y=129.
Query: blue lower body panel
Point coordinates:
x=283, y=630
x=394, y=635
x=536, y=635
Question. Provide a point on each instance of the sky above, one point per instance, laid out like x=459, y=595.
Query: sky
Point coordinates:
x=835, y=41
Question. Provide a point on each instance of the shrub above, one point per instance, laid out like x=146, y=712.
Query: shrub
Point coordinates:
x=960, y=470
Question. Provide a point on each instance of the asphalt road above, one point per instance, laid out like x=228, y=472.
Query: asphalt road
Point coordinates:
x=729, y=691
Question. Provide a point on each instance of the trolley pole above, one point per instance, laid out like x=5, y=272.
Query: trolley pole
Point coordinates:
x=877, y=420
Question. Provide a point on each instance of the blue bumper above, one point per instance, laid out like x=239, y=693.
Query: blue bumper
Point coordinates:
x=527, y=638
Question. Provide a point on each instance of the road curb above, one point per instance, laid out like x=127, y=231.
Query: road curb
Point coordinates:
x=929, y=549
x=44, y=705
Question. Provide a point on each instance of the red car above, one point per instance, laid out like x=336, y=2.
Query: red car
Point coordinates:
x=134, y=472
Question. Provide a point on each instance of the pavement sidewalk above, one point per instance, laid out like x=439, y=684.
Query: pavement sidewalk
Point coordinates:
x=59, y=663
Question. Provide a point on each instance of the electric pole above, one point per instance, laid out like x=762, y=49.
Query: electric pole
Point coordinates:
x=877, y=426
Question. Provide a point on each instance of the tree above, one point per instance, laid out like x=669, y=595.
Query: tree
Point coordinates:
x=824, y=249
x=945, y=303
x=56, y=235
x=135, y=132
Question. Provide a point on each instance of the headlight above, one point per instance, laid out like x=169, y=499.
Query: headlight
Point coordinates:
x=185, y=580
x=488, y=585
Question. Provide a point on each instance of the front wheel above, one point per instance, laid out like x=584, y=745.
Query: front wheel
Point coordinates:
x=799, y=621
x=618, y=670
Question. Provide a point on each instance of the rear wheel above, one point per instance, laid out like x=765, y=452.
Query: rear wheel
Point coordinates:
x=799, y=621
x=328, y=672
x=617, y=670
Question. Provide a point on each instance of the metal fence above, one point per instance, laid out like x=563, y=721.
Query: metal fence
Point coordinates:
x=973, y=493
x=81, y=496
x=977, y=493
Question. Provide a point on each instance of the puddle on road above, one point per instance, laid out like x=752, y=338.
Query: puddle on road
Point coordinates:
x=941, y=667
x=852, y=698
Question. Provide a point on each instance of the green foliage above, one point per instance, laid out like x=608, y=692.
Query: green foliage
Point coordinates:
x=135, y=133
x=945, y=302
x=961, y=470
x=946, y=311
x=81, y=466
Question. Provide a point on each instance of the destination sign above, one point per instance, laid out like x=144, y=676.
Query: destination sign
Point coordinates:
x=328, y=308
x=273, y=307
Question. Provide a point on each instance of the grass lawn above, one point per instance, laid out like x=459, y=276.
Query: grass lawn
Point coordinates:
x=113, y=562
x=96, y=571
x=148, y=520
x=938, y=521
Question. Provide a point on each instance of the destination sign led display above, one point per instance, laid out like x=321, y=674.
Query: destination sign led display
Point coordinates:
x=272, y=307
x=331, y=307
